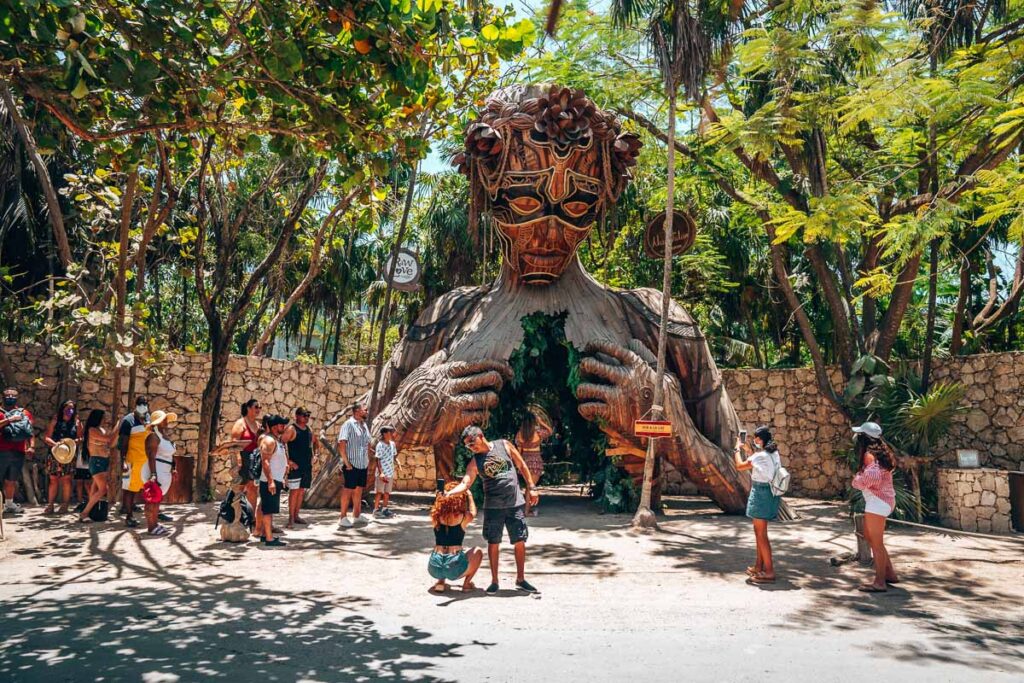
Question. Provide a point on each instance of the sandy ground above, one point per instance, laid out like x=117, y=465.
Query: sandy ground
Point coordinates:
x=99, y=602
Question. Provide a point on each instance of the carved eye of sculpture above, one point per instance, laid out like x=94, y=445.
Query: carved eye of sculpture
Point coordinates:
x=524, y=205
x=576, y=209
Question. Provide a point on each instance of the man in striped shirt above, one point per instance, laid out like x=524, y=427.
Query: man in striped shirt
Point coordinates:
x=354, y=449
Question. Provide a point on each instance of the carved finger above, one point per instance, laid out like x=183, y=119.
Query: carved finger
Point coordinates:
x=592, y=410
x=641, y=350
x=472, y=417
x=611, y=373
x=619, y=353
x=464, y=369
x=481, y=400
x=600, y=392
x=608, y=360
x=483, y=380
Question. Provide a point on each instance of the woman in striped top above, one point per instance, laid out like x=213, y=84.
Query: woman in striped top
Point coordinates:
x=874, y=481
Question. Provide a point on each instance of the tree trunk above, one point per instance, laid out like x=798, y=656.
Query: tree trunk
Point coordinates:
x=120, y=295
x=960, y=312
x=56, y=216
x=203, y=487
x=645, y=516
x=929, y=335
x=386, y=308
x=898, y=303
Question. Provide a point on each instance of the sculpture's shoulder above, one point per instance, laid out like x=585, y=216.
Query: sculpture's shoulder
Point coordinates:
x=646, y=302
x=445, y=313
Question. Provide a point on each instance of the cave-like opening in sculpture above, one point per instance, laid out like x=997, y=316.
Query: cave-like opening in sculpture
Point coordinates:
x=546, y=375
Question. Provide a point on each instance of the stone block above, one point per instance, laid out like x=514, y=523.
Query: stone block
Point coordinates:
x=988, y=498
x=1000, y=524
x=968, y=520
x=971, y=500
x=977, y=421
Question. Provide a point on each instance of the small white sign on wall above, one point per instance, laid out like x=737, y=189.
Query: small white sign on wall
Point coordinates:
x=967, y=458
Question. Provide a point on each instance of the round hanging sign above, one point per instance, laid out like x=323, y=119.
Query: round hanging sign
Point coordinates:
x=407, y=271
x=684, y=232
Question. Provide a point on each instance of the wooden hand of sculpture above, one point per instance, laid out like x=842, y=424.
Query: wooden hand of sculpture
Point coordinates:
x=619, y=388
x=441, y=397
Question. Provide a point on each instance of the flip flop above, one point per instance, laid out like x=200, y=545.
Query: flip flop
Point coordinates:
x=871, y=588
x=758, y=578
x=752, y=572
x=435, y=588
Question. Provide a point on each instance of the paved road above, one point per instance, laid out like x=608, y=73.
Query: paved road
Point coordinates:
x=102, y=603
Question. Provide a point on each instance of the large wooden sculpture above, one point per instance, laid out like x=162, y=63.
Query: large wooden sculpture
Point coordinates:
x=545, y=163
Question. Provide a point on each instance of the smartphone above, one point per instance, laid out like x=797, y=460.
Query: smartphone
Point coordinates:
x=440, y=485
x=743, y=435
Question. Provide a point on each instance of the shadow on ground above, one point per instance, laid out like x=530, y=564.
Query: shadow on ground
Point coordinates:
x=165, y=627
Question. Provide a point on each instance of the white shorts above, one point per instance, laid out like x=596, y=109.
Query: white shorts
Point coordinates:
x=163, y=475
x=381, y=487
x=876, y=505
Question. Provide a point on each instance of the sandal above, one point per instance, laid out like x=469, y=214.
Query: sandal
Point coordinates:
x=439, y=588
x=761, y=578
x=752, y=572
x=871, y=588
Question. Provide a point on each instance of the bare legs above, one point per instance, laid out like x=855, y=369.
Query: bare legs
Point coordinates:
x=250, y=495
x=353, y=498
x=267, y=527
x=295, y=497
x=763, y=568
x=874, y=533
x=64, y=485
x=152, y=510
x=97, y=493
x=520, y=554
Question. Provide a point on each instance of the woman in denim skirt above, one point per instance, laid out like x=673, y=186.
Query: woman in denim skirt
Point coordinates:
x=762, y=505
x=449, y=561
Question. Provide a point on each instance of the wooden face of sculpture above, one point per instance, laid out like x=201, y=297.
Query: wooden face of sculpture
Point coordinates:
x=547, y=202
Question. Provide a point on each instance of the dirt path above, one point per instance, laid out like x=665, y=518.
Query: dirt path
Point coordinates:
x=85, y=603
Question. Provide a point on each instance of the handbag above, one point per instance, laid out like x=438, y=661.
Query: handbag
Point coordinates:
x=100, y=511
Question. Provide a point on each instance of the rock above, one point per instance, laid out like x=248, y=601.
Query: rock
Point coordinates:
x=988, y=498
x=977, y=421
x=968, y=520
x=971, y=500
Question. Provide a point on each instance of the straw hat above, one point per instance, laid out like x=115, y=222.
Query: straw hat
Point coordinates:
x=158, y=417
x=64, y=451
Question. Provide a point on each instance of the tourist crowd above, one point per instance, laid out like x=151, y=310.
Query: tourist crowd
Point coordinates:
x=276, y=454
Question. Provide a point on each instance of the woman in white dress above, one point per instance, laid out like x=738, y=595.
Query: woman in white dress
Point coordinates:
x=159, y=465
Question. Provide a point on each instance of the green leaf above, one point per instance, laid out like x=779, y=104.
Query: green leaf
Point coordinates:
x=489, y=32
x=81, y=90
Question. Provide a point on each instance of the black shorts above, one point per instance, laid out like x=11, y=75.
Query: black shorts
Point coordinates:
x=355, y=478
x=11, y=463
x=512, y=519
x=304, y=477
x=270, y=504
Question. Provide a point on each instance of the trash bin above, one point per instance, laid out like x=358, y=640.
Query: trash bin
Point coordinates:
x=1017, y=500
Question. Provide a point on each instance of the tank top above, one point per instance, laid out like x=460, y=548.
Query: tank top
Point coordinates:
x=300, y=449
x=252, y=437
x=278, y=464
x=165, y=450
x=446, y=534
x=501, y=484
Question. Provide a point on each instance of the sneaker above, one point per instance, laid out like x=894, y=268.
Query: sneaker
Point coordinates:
x=345, y=523
x=277, y=542
x=13, y=508
x=388, y=514
x=159, y=530
x=525, y=587
x=361, y=520
x=80, y=506
x=492, y=589
x=164, y=517
x=131, y=523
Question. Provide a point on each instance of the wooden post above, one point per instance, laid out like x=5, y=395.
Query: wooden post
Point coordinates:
x=863, y=548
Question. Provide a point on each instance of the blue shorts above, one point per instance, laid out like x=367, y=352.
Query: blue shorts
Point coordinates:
x=98, y=465
x=448, y=566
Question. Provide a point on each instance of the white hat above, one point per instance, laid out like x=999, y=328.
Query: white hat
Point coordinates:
x=871, y=429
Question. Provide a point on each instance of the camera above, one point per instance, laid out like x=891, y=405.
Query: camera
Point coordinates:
x=743, y=435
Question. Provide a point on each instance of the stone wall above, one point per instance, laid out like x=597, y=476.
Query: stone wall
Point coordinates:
x=975, y=499
x=808, y=428
x=176, y=385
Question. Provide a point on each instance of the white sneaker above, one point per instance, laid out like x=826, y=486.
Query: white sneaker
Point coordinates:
x=345, y=523
x=361, y=520
x=13, y=508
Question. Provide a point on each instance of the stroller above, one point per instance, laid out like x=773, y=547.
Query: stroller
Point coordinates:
x=238, y=517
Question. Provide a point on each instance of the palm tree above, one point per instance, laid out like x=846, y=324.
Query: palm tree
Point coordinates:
x=687, y=38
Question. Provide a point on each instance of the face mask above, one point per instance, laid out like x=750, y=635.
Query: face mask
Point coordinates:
x=10, y=401
x=69, y=413
x=142, y=410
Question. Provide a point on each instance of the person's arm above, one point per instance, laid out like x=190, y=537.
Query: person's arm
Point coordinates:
x=81, y=433
x=471, y=513
x=466, y=482
x=741, y=463
x=517, y=460
x=288, y=437
x=152, y=441
x=48, y=436
x=343, y=446
x=267, y=448
x=124, y=432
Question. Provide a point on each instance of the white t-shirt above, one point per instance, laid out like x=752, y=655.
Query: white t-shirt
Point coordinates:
x=386, y=456
x=764, y=466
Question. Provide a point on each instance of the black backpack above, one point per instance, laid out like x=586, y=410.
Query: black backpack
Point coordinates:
x=100, y=511
x=20, y=429
x=226, y=511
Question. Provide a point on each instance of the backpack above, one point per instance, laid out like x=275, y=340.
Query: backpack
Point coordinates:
x=100, y=511
x=226, y=511
x=780, y=480
x=20, y=430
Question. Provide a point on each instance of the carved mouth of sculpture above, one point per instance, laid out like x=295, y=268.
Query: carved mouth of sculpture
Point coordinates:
x=544, y=260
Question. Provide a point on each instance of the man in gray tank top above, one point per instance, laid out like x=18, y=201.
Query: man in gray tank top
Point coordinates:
x=504, y=504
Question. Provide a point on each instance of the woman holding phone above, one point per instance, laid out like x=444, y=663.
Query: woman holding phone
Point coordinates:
x=762, y=504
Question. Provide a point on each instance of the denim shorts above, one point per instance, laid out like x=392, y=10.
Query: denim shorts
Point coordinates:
x=98, y=465
x=448, y=566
